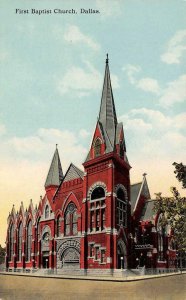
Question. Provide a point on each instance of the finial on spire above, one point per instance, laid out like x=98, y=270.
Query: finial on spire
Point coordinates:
x=107, y=59
x=144, y=174
x=56, y=146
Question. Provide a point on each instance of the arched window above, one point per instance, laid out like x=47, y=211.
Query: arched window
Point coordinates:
x=98, y=193
x=37, y=235
x=121, y=209
x=58, y=226
x=29, y=241
x=97, y=148
x=71, y=220
x=97, y=209
x=46, y=212
x=19, y=246
x=11, y=242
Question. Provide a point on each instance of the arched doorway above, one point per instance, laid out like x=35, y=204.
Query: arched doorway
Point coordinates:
x=70, y=258
x=121, y=255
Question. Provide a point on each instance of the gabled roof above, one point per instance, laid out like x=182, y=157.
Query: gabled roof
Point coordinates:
x=55, y=173
x=137, y=190
x=73, y=172
x=107, y=114
x=148, y=213
x=134, y=192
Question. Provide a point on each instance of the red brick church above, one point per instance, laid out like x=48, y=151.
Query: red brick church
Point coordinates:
x=91, y=218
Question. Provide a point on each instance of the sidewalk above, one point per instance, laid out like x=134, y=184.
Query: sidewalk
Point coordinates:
x=95, y=278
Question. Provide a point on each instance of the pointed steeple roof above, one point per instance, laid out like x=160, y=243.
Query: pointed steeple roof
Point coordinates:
x=107, y=114
x=55, y=173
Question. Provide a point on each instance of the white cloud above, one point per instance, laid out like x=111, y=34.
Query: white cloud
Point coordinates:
x=175, y=92
x=155, y=133
x=83, y=81
x=131, y=71
x=175, y=48
x=109, y=8
x=83, y=133
x=149, y=85
x=74, y=35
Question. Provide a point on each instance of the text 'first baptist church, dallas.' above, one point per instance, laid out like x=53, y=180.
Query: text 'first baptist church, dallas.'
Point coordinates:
x=34, y=11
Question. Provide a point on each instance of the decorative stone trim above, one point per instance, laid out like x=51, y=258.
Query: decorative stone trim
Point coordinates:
x=121, y=186
x=97, y=245
x=95, y=185
x=84, y=200
x=96, y=232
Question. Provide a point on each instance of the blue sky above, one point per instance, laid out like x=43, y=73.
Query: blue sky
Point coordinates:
x=51, y=77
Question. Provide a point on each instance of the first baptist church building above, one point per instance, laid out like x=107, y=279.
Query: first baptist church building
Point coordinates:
x=91, y=218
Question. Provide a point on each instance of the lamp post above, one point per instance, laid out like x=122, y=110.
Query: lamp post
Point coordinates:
x=33, y=265
x=137, y=262
x=121, y=262
x=149, y=255
x=47, y=263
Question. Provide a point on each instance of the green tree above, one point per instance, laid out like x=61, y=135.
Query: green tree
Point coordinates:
x=180, y=171
x=173, y=210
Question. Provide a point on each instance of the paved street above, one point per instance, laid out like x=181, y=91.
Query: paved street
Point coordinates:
x=28, y=288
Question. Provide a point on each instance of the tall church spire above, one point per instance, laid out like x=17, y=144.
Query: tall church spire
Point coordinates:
x=55, y=173
x=107, y=114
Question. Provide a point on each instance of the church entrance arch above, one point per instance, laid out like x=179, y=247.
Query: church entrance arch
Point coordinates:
x=121, y=255
x=70, y=258
x=68, y=255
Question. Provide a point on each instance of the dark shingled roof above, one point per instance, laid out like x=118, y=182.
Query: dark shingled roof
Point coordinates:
x=55, y=173
x=73, y=172
x=148, y=211
x=107, y=114
x=134, y=192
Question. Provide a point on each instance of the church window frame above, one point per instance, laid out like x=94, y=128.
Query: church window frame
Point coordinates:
x=97, y=147
x=96, y=253
x=97, y=209
x=102, y=256
x=91, y=250
x=58, y=226
x=71, y=220
x=121, y=207
x=38, y=234
x=19, y=242
x=29, y=241
x=11, y=242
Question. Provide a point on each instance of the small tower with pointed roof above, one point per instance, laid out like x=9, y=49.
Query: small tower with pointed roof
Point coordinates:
x=55, y=173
